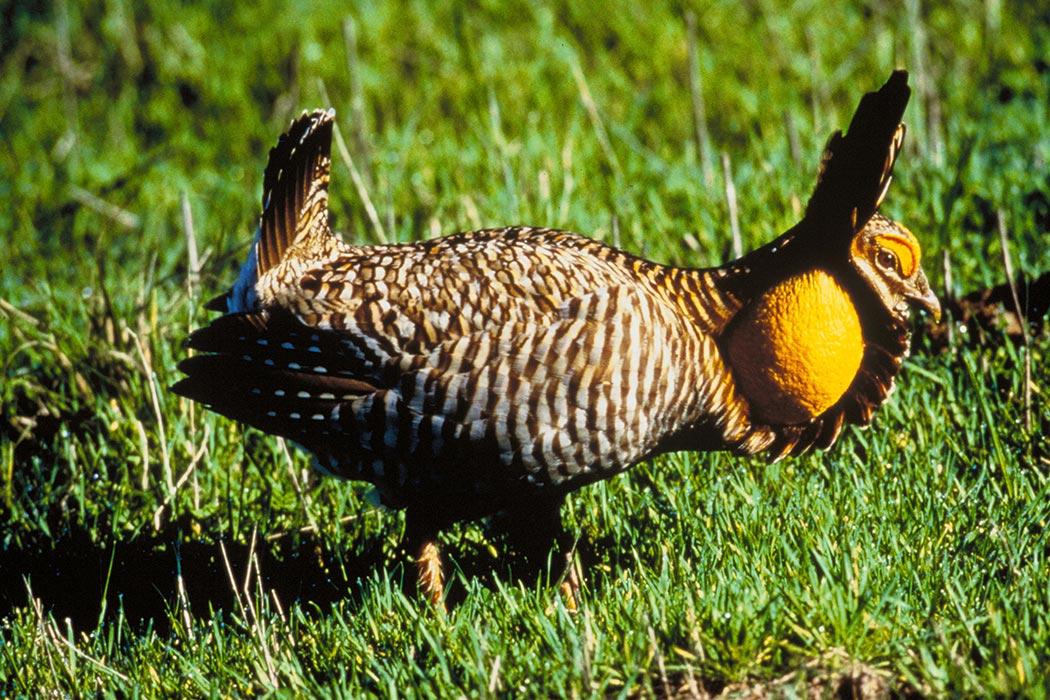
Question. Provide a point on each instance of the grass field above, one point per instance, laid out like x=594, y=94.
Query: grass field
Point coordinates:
x=150, y=549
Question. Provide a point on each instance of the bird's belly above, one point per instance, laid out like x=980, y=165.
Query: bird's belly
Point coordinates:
x=796, y=349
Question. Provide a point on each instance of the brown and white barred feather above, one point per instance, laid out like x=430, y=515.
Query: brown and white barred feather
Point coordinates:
x=513, y=357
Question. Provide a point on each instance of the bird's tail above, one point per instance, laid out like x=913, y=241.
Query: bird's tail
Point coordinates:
x=271, y=372
x=263, y=366
x=294, y=204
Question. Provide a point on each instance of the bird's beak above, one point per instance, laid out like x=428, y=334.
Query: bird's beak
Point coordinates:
x=925, y=298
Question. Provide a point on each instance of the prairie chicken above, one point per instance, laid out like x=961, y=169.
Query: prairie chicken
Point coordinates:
x=496, y=371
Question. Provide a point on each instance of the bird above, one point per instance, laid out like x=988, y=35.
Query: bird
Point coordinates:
x=496, y=371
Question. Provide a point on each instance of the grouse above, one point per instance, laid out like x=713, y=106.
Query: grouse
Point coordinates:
x=496, y=371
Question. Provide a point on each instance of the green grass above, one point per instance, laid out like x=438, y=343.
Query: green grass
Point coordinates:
x=915, y=549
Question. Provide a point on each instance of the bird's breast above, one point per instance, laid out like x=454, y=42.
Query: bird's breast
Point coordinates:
x=795, y=349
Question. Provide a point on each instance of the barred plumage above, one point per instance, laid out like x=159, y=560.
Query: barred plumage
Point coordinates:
x=498, y=370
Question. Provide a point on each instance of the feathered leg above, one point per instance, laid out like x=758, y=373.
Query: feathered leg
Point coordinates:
x=421, y=544
x=535, y=529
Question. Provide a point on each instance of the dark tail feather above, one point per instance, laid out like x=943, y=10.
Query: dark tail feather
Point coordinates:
x=856, y=168
x=277, y=337
x=218, y=303
x=270, y=380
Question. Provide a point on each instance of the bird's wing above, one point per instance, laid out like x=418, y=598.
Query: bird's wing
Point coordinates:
x=553, y=399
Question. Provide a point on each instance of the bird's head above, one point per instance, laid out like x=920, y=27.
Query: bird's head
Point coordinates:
x=889, y=258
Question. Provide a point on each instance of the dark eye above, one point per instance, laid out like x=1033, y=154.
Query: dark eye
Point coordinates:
x=886, y=260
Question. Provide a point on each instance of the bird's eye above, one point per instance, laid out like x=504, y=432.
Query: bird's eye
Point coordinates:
x=887, y=260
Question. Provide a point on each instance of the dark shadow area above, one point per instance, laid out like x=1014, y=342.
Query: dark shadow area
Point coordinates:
x=84, y=581
x=75, y=577
x=985, y=317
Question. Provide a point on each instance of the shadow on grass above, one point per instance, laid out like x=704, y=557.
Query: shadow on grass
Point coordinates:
x=87, y=581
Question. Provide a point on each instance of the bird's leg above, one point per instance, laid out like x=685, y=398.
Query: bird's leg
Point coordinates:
x=431, y=576
x=566, y=558
x=570, y=581
x=421, y=543
x=535, y=527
